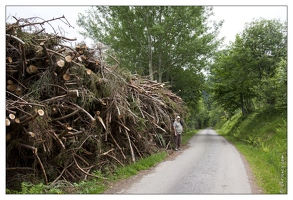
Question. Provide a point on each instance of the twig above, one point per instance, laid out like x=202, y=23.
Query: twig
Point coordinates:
x=101, y=120
x=105, y=153
x=86, y=112
x=54, y=98
x=16, y=38
x=42, y=167
x=58, y=139
x=66, y=116
x=117, y=145
x=85, y=171
x=116, y=160
x=131, y=149
x=83, y=160
x=61, y=173
x=18, y=168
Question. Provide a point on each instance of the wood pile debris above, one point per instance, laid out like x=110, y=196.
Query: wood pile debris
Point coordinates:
x=69, y=113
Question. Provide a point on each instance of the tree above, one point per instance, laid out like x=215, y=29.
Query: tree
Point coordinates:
x=266, y=42
x=188, y=84
x=273, y=91
x=248, y=69
x=231, y=81
x=153, y=40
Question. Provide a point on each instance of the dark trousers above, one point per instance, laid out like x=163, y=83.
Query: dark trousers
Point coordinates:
x=177, y=140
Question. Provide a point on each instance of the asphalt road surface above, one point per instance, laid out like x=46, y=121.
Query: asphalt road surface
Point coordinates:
x=209, y=165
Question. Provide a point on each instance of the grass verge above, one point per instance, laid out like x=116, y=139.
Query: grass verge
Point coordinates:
x=262, y=139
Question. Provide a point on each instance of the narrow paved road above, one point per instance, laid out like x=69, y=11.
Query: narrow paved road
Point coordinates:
x=209, y=165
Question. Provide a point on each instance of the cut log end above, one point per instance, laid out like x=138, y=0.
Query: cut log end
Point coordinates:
x=41, y=112
x=10, y=82
x=89, y=72
x=7, y=121
x=11, y=87
x=11, y=116
x=61, y=63
x=68, y=58
x=9, y=59
x=66, y=77
x=31, y=69
x=8, y=136
x=31, y=134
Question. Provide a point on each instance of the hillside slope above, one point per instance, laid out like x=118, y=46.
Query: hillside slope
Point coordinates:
x=262, y=138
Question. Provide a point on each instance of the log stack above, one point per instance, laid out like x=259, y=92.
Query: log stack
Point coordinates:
x=69, y=113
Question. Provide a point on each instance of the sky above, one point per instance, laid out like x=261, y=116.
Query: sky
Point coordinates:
x=235, y=17
x=234, y=14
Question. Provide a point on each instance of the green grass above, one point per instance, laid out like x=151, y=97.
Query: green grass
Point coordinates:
x=262, y=139
x=133, y=169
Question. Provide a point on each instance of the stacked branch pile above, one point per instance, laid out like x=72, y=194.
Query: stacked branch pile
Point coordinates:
x=68, y=113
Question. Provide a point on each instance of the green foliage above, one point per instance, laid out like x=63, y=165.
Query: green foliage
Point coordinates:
x=29, y=188
x=217, y=116
x=188, y=84
x=262, y=138
x=153, y=38
x=89, y=187
x=252, y=68
x=199, y=117
x=273, y=91
x=266, y=43
x=230, y=126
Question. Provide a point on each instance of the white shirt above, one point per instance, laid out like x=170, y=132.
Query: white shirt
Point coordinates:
x=178, y=127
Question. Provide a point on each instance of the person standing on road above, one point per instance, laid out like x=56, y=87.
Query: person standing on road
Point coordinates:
x=178, y=129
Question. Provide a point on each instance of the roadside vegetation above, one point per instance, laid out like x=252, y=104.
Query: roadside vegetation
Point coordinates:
x=98, y=185
x=92, y=185
x=262, y=138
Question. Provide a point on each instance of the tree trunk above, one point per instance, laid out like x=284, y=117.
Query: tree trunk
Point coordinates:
x=242, y=105
x=151, y=73
x=160, y=70
x=150, y=51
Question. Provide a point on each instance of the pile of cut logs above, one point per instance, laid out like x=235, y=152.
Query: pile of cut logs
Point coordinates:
x=69, y=113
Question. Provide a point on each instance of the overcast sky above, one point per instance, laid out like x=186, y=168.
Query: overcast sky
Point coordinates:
x=235, y=17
